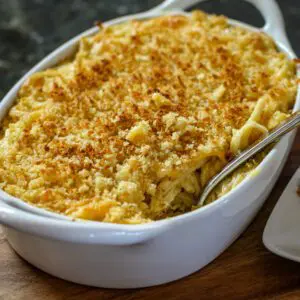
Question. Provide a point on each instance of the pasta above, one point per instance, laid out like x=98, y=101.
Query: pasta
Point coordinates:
x=131, y=128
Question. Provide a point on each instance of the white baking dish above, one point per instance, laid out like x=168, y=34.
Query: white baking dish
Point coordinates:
x=131, y=256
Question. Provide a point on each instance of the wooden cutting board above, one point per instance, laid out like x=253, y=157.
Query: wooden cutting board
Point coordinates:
x=246, y=270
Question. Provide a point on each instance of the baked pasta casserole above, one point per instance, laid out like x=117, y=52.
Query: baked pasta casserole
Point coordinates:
x=131, y=127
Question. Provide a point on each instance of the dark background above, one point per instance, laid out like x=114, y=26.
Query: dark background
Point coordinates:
x=30, y=29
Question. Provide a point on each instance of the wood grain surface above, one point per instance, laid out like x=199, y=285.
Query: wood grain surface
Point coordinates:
x=246, y=270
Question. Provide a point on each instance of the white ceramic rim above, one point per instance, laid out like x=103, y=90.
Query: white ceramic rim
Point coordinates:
x=21, y=211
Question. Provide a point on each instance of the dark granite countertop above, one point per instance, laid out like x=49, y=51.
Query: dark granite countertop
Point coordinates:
x=30, y=29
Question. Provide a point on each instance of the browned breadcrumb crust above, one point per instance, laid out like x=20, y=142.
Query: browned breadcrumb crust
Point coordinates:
x=118, y=133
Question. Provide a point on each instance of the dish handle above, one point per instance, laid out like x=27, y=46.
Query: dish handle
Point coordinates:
x=168, y=5
x=77, y=231
x=274, y=22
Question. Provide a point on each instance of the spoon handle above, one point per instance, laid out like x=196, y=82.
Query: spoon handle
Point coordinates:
x=289, y=124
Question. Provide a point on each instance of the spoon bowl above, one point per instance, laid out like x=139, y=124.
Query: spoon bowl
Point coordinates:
x=289, y=124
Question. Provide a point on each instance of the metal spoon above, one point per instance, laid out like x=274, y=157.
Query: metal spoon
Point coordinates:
x=289, y=124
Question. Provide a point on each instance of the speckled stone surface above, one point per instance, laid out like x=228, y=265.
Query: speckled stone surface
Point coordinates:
x=30, y=29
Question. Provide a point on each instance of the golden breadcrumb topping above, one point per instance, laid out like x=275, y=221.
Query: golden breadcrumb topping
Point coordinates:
x=132, y=127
